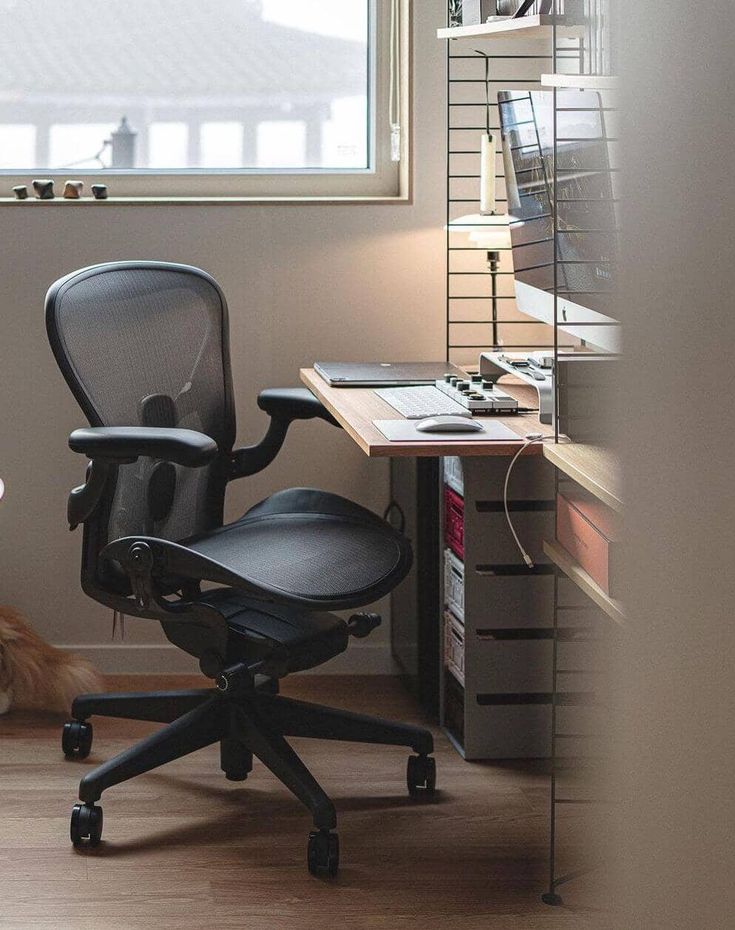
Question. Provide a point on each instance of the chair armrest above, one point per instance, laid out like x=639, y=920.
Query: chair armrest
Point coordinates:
x=284, y=405
x=293, y=404
x=124, y=444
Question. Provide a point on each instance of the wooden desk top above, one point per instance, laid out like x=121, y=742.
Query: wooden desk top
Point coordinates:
x=356, y=408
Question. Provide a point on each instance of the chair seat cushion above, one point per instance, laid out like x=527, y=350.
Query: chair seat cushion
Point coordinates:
x=313, y=545
x=288, y=637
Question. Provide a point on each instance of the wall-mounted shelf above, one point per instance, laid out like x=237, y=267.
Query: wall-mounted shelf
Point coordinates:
x=580, y=81
x=526, y=27
x=595, y=468
x=612, y=607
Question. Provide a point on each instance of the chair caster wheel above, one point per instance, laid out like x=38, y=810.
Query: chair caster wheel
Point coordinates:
x=76, y=739
x=553, y=900
x=236, y=760
x=323, y=855
x=421, y=776
x=236, y=776
x=86, y=824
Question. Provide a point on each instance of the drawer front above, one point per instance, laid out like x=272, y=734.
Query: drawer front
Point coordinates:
x=501, y=601
x=454, y=647
x=454, y=584
x=509, y=732
x=489, y=542
x=532, y=478
x=509, y=667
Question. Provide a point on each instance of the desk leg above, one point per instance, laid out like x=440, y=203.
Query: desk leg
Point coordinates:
x=415, y=603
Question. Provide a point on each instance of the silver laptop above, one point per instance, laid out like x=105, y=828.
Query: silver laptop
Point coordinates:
x=384, y=374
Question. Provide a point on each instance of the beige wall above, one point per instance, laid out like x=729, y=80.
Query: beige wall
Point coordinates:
x=677, y=847
x=303, y=282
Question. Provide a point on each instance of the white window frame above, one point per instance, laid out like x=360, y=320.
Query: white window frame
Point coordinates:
x=385, y=180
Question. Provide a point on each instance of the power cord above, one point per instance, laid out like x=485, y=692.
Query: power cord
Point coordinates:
x=531, y=439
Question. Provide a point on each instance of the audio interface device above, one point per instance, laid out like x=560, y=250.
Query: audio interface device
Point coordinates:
x=477, y=394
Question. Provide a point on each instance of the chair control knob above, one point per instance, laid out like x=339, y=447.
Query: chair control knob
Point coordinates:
x=362, y=625
x=141, y=557
x=230, y=678
x=242, y=674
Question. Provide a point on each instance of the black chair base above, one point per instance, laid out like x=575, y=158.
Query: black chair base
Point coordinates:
x=253, y=721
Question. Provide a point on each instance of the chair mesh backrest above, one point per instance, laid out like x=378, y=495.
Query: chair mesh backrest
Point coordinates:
x=145, y=344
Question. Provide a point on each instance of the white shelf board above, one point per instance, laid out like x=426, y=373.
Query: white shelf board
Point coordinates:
x=580, y=81
x=561, y=558
x=523, y=28
x=597, y=469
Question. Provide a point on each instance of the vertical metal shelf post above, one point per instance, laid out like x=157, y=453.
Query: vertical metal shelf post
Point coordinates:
x=594, y=60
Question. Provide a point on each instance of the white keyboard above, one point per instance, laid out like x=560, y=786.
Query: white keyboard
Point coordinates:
x=417, y=403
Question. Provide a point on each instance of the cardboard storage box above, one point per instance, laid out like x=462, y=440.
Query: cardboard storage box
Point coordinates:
x=589, y=531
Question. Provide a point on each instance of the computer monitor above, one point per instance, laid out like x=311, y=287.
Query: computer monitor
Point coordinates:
x=579, y=187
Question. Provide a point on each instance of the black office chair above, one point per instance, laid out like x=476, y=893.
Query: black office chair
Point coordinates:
x=144, y=348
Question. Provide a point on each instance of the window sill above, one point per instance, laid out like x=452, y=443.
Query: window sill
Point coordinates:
x=396, y=200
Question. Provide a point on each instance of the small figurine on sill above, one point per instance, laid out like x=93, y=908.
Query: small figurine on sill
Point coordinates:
x=44, y=188
x=35, y=675
x=73, y=190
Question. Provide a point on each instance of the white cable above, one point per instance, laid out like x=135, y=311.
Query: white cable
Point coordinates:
x=531, y=438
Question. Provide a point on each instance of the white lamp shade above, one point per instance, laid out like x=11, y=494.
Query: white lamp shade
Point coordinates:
x=493, y=238
x=486, y=232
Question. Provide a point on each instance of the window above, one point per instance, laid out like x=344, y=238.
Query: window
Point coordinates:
x=186, y=98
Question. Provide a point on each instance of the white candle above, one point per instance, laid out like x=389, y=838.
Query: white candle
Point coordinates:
x=487, y=174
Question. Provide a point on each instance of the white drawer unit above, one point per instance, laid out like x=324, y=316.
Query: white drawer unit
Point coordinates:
x=454, y=638
x=498, y=612
x=454, y=584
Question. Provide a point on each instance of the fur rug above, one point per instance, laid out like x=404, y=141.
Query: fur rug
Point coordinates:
x=34, y=674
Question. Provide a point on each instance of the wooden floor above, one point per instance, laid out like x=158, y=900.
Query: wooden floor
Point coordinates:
x=184, y=849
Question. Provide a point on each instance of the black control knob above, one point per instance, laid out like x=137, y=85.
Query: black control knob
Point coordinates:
x=453, y=380
x=462, y=385
x=487, y=385
x=476, y=379
x=477, y=397
x=448, y=377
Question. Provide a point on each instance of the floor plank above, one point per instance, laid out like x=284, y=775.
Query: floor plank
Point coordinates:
x=183, y=848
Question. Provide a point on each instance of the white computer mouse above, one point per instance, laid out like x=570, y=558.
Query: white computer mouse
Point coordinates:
x=449, y=423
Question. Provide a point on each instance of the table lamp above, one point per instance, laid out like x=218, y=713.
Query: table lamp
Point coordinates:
x=491, y=233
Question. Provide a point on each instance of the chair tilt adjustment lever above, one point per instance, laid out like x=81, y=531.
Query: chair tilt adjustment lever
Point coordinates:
x=362, y=625
x=242, y=673
x=139, y=566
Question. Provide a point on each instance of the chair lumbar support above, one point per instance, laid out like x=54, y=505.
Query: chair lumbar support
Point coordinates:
x=362, y=625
